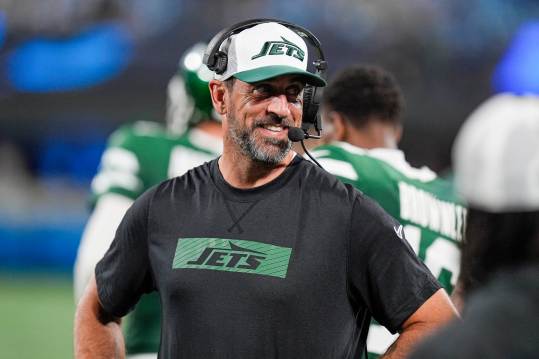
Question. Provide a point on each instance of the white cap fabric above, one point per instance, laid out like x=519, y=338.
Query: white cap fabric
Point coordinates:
x=496, y=155
x=265, y=51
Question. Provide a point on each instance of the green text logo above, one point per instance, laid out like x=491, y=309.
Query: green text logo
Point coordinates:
x=232, y=255
x=284, y=47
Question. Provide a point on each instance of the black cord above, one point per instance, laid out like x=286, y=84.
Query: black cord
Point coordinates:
x=308, y=154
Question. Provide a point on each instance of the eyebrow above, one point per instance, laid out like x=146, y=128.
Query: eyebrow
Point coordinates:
x=297, y=80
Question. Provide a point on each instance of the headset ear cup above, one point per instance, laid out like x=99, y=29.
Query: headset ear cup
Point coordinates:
x=311, y=103
x=222, y=60
x=307, y=100
x=317, y=100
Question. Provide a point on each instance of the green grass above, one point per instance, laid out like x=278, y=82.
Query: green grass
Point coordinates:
x=36, y=317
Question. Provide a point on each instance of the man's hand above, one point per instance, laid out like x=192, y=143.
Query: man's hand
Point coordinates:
x=435, y=312
x=97, y=334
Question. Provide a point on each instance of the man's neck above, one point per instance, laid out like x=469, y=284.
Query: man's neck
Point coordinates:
x=373, y=135
x=240, y=171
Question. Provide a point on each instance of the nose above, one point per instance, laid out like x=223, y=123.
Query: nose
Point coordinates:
x=279, y=106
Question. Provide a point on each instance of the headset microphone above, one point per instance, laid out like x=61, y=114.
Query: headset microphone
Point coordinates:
x=296, y=134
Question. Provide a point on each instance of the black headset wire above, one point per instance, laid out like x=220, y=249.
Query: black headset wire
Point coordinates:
x=308, y=154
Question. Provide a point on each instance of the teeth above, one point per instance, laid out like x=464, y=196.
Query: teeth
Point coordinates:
x=273, y=128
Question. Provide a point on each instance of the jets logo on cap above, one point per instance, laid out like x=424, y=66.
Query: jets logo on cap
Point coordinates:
x=284, y=47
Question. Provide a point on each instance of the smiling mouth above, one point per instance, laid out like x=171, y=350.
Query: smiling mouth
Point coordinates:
x=274, y=128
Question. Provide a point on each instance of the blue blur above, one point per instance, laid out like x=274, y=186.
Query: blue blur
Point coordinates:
x=518, y=70
x=39, y=246
x=74, y=158
x=2, y=28
x=87, y=59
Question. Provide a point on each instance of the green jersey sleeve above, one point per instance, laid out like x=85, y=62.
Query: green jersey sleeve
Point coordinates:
x=136, y=158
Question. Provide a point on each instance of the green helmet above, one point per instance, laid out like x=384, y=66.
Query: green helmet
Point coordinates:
x=189, y=100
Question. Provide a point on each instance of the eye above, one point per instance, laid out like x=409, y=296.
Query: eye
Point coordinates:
x=293, y=93
x=262, y=90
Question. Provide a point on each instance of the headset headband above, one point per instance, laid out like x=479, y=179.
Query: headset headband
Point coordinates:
x=210, y=55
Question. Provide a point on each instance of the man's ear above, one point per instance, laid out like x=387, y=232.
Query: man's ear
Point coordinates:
x=218, y=93
x=339, y=125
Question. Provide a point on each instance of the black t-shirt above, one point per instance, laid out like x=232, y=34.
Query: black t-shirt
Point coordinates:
x=290, y=269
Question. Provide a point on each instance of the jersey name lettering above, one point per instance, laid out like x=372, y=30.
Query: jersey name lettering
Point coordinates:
x=426, y=210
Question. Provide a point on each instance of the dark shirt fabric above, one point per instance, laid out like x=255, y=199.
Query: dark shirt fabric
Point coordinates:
x=499, y=321
x=291, y=269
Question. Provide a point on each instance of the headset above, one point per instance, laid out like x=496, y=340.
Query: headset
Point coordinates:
x=217, y=59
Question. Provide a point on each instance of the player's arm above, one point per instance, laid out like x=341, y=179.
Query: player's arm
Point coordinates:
x=97, y=334
x=118, y=182
x=121, y=277
x=432, y=314
x=97, y=237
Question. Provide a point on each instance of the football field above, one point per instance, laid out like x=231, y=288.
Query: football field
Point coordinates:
x=36, y=316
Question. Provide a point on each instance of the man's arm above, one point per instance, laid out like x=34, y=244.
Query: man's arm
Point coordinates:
x=431, y=315
x=97, y=334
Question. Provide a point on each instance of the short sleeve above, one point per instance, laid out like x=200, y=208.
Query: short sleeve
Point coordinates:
x=384, y=272
x=124, y=273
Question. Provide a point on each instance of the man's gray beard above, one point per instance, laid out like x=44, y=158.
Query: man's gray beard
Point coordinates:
x=249, y=147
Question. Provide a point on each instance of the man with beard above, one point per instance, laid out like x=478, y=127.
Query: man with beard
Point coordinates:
x=260, y=254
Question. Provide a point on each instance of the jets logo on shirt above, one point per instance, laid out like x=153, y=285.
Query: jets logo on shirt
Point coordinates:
x=232, y=255
x=235, y=257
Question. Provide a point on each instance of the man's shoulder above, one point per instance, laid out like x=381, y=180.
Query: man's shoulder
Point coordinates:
x=349, y=162
x=374, y=165
x=136, y=157
x=320, y=179
x=141, y=136
x=341, y=151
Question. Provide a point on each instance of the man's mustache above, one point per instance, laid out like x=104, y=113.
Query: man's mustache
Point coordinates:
x=273, y=120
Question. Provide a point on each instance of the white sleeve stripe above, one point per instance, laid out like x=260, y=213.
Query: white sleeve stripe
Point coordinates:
x=108, y=179
x=320, y=153
x=339, y=168
x=120, y=158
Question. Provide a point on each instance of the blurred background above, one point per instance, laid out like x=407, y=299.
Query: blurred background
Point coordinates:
x=71, y=71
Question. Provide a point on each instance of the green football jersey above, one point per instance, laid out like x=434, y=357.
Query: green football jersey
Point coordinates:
x=137, y=157
x=426, y=206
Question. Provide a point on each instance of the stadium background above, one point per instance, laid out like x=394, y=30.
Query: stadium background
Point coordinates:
x=73, y=70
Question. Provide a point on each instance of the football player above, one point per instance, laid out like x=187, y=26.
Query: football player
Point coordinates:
x=362, y=127
x=138, y=156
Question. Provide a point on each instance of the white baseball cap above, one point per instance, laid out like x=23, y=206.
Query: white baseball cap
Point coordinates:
x=265, y=51
x=496, y=155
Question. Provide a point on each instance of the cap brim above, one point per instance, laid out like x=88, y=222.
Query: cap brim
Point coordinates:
x=268, y=72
